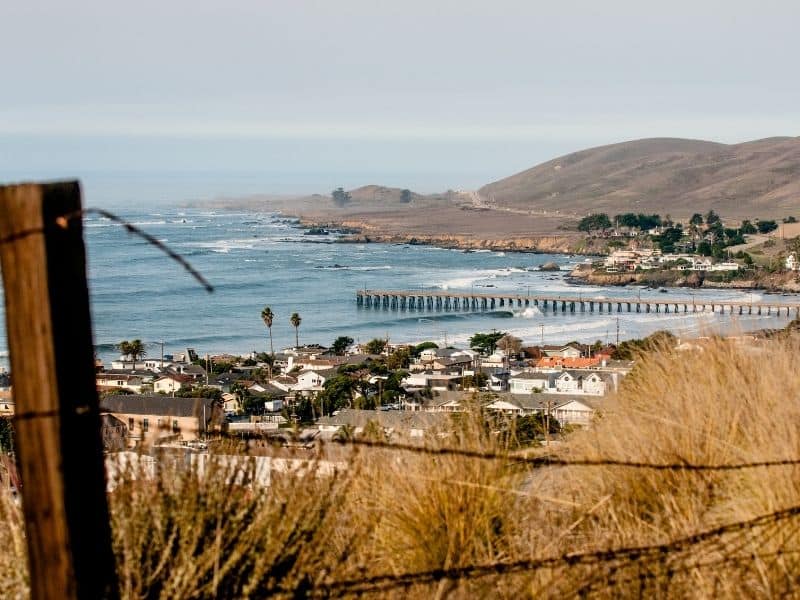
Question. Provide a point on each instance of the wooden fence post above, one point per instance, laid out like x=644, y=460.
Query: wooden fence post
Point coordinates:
x=57, y=419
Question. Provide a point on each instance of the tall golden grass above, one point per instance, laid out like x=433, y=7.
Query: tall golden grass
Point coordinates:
x=389, y=513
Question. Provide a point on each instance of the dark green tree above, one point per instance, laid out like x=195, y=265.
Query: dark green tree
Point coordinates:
x=134, y=349
x=340, y=197
x=594, y=222
x=267, y=316
x=341, y=344
x=486, y=343
x=766, y=226
x=405, y=196
x=375, y=346
x=295, y=321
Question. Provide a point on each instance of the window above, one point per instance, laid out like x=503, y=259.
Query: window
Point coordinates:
x=175, y=426
x=131, y=424
x=145, y=425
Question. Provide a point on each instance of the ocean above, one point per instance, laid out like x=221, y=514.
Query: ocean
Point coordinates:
x=257, y=259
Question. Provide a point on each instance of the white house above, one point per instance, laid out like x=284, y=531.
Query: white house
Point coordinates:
x=171, y=382
x=725, y=266
x=576, y=382
x=527, y=382
x=574, y=412
x=313, y=380
x=792, y=264
x=107, y=381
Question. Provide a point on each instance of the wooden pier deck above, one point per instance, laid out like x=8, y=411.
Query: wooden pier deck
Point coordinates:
x=462, y=301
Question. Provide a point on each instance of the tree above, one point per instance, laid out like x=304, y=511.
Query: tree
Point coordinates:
x=697, y=219
x=594, y=222
x=267, y=316
x=340, y=197
x=6, y=436
x=341, y=344
x=509, y=344
x=748, y=228
x=712, y=217
x=766, y=226
x=375, y=346
x=134, y=349
x=399, y=359
x=790, y=219
x=485, y=342
x=405, y=196
x=295, y=320
x=704, y=248
x=419, y=348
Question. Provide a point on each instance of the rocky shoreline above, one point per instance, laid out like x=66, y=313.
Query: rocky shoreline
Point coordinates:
x=766, y=282
x=362, y=233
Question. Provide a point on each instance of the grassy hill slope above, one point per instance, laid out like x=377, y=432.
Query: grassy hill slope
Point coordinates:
x=663, y=175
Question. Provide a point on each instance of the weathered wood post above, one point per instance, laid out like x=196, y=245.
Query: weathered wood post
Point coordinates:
x=57, y=422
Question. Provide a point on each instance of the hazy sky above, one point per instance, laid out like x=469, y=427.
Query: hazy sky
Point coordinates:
x=428, y=93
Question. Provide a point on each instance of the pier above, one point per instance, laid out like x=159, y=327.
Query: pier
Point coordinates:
x=443, y=300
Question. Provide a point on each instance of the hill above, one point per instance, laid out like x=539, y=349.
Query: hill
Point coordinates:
x=661, y=175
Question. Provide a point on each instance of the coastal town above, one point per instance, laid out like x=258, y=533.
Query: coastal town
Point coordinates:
x=315, y=392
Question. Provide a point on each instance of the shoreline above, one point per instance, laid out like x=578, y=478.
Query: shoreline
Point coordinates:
x=359, y=233
x=774, y=283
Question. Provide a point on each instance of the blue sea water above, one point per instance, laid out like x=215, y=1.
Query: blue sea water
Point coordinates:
x=255, y=259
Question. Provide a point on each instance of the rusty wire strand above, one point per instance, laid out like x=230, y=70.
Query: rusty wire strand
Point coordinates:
x=553, y=461
x=630, y=554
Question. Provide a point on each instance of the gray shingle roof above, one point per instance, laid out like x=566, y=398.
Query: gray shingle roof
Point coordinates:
x=167, y=406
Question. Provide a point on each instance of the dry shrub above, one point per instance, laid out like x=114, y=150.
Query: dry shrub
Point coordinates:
x=13, y=558
x=720, y=403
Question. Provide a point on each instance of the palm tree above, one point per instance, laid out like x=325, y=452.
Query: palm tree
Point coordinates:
x=134, y=349
x=295, y=320
x=267, y=316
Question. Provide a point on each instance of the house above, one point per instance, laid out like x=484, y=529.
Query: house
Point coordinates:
x=564, y=351
x=121, y=381
x=226, y=381
x=153, y=418
x=725, y=266
x=575, y=411
x=792, y=264
x=568, y=410
x=584, y=382
x=527, y=382
x=171, y=382
x=313, y=380
x=559, y=362
x=430, y=380
x=409, y=424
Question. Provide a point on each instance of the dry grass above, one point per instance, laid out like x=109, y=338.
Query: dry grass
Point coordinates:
x=179, y=535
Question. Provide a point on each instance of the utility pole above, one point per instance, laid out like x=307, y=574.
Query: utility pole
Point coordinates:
x=162, y=355
x=541, y=325
x=57, y=422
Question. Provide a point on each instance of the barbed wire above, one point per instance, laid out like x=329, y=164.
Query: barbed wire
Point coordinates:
x=553, y=461
x=386, y=582
x=62, y=222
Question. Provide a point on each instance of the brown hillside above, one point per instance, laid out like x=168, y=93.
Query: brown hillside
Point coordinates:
x=662, y=175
